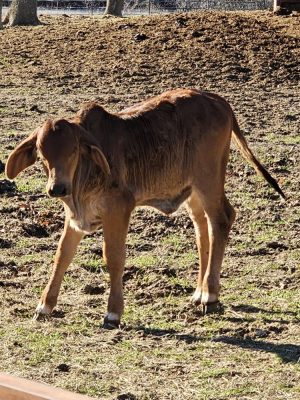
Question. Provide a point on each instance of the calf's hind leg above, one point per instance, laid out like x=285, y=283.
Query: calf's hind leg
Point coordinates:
x=197, y=215
x=213, y=217
x=220, y=217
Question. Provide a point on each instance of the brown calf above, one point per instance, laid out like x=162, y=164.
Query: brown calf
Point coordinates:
x=165, y=151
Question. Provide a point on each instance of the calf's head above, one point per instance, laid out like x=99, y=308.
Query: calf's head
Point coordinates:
x=60, y=145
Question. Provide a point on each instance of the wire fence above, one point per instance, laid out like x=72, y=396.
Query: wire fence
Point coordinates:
x=92, y=7
x=193, y=5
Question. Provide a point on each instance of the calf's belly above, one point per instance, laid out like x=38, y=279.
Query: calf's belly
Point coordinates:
x=168, y=204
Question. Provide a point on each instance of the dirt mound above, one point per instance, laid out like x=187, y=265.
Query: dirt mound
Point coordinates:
x=250, y=48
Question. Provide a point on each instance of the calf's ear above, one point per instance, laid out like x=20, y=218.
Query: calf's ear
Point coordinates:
x=99, y=158
x=23, y=156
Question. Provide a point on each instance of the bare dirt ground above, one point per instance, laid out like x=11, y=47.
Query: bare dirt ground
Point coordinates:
x=165, y=349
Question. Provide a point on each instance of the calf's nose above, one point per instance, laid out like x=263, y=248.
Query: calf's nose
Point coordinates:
x=58, y=190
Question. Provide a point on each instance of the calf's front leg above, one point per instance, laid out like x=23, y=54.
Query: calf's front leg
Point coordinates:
x=64, y=255
x=115, y=227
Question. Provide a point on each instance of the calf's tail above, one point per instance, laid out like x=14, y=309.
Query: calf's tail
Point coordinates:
x=246, y=152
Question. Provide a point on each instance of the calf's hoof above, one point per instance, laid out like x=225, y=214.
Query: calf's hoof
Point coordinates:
x=196, y=298
x=202, y=297
x=212, y=308
x=111, y=321
x=41, y=312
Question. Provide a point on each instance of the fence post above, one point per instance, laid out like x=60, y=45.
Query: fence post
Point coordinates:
x=149, y=7
x=14, y=388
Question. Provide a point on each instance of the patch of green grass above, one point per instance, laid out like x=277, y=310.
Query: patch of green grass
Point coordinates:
x=286, y=139
x=94, y=265
x=186, y=259
x=242, y=390
x=39, y=346
x=143, y=260
x=33, y=258
x=5, y=62
x=30, y=186
x=175, y=242
x=3, y=110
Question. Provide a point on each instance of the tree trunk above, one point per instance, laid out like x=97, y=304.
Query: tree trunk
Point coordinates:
x=114, y=7
x=22, y=12
x=1, y=14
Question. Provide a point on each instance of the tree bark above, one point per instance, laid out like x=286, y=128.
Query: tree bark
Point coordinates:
x=22, y=12
x=1, y=14
x=114, y=7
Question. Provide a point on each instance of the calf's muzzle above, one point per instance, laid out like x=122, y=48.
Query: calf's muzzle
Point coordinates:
x=58, y=190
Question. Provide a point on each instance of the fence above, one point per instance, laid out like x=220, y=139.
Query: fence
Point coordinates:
x=14, y=388
x=91, y=7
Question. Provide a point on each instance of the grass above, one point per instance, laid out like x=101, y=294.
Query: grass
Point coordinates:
x=4, y=61
x=30, y=187
x=165, y=346
x=286, y=139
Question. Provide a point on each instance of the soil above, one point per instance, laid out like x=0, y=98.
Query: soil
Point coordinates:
x=165, y=348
